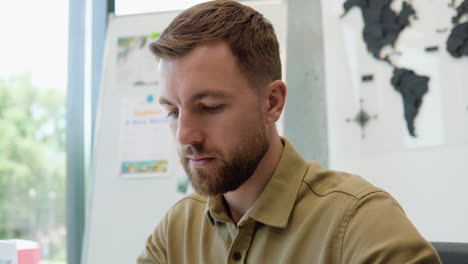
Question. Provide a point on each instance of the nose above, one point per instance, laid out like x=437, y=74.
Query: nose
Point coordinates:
x=188, y=130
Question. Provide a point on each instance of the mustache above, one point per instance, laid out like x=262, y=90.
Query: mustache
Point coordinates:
x=192, y=149
x=199, y=150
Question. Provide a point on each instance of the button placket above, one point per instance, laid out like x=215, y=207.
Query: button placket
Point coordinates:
x=237, y=256
x=241, y=243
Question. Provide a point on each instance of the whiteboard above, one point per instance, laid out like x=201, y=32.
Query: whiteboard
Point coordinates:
x=123, y=211
x=428, y=175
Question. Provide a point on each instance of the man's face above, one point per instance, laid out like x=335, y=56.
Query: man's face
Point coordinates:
x=215, y=116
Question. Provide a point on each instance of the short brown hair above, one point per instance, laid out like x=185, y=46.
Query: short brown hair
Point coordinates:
x=250, y=36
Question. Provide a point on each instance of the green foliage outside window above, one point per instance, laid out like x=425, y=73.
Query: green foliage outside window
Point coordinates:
x=32, y=164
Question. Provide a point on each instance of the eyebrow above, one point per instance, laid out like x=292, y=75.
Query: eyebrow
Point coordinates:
x=198, y=96
x=164, y=101
x=204, y=94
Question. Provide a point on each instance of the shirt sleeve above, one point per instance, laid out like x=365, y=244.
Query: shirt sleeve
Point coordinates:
x=378, y=231
x=155, y=251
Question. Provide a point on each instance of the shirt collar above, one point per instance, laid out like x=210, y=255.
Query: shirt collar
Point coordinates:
x=277, y=200
x=216, y=209
x=275, y=204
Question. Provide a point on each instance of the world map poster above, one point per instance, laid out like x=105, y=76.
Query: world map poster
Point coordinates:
x=398, y=72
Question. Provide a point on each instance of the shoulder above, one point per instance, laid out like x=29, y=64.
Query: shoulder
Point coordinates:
x=191, y=199
x=188, y=206
x=323, y=182
x=372, y=225
x=167, y=232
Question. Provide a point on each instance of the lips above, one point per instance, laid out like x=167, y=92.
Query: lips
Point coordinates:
x=199, y=161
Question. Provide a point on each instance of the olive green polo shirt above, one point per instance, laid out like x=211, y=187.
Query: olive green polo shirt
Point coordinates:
x=305, y=214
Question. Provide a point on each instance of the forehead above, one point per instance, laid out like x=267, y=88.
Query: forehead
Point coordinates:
x=210, y=66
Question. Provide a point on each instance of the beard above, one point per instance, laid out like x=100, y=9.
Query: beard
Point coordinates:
x=230, y=171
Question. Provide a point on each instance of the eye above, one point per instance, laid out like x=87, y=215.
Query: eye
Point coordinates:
x=172, y=114
x=213, y=109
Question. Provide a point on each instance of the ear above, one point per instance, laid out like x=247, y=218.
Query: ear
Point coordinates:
x=275, y=98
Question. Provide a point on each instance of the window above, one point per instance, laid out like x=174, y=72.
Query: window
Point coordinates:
x=33, y=80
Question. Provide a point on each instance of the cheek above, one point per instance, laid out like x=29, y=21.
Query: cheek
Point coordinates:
x=240, y=126
x=173, y=128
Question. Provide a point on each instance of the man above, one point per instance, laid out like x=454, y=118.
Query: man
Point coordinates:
x=257, y=200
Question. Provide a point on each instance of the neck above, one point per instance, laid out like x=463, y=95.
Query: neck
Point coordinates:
x=243, y=198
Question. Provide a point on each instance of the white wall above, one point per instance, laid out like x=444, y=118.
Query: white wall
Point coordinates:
x=427, y=175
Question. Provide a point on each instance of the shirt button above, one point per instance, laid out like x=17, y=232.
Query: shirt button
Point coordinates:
x=237, y=256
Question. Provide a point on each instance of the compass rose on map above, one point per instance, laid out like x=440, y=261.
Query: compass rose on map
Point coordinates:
x=362, y=118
